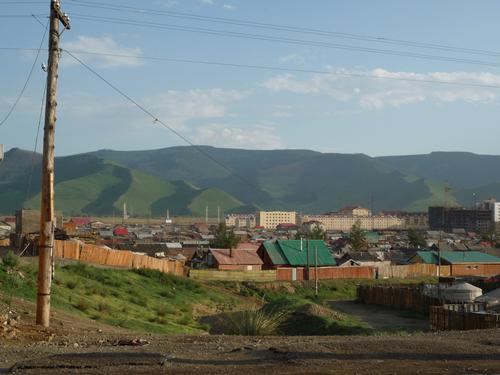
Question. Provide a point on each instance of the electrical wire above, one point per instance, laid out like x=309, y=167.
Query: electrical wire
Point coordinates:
x=156, y=120
x=271, y=68
x=27, y=79
x=277, y=39
x=278, y=27
x=32, y=168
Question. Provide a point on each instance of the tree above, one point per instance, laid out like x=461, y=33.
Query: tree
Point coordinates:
x=314, y=233
x=488, y=235
x=357, y=237
x=416, y=239
x=224, y=238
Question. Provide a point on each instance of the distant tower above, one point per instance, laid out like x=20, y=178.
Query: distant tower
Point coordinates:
x=218, y=214
x=168, y=220
x=1, y=152
x=206, y=214
x=125, y=216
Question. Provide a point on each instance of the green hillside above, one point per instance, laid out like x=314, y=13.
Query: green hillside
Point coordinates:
x=185, y=181
x=86, y=184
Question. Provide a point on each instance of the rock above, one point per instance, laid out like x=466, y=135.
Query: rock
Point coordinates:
x=75, y=345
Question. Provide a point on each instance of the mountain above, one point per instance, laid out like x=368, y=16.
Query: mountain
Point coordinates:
x=462, y=170
x=86, y=184
x=185, y=180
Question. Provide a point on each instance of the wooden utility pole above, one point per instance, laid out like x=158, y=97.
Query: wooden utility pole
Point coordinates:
x=316, y=270
x=47, y=220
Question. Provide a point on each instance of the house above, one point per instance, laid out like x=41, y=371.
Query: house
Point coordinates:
x=462, y=263
x=120, y=231
x=232, y=260
x=362, y=258
x=287, y=227
x=294, y=253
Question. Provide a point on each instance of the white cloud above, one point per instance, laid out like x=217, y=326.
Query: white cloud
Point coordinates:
x=228, y=6
x=257, y=136
x=395, y=90
x=207, y=2
x=104, y=45
x=180, y=107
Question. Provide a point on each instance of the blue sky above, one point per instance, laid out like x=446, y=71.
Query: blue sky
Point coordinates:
x=340, y=111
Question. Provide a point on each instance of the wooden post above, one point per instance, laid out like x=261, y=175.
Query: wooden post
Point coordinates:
x=316, y=270
x=47, y=220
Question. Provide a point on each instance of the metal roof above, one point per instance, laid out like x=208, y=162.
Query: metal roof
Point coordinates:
x=457, y=257
x=290, y=252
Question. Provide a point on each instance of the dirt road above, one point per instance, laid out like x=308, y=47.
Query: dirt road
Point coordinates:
x=81, y=346
x=381, y=318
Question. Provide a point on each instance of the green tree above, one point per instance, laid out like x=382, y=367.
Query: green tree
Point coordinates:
x=224, y=238
x=488, y=235
x=416, y=239
x=314, y=233
x=357, y=237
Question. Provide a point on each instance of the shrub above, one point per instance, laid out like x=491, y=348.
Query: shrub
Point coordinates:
x=102, y=307
x=10, y=260
x=71, y=284
x=254, y=322
x=83, y=305
x=164, y=310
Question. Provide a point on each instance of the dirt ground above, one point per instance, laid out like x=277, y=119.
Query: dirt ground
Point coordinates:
x=380, y=318
x=81, y=346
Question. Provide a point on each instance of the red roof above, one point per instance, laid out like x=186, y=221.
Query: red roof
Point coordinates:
x=120, y=231
x=240, y=257
x=247, y=246
x=287, y=225
x=80, y=221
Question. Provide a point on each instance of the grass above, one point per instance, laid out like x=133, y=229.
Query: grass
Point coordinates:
x=147, y=300
x=131, y=299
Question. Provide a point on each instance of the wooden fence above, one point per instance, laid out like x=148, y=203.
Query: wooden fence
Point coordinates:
x=325, y=273
x=213, y=275
x=407, y=297
x=412, y=270
x=460, y=317
x=77, y=250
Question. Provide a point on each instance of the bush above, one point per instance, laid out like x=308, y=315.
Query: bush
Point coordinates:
x=10, y=260
x=71, y=284
x=254, y=322
x=83, y=305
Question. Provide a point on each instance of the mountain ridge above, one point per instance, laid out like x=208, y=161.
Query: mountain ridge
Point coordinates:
x=185, y=181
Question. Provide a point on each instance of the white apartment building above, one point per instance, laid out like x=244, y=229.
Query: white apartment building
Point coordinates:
x=345, y=223
x=242, y=221
x=271, y=219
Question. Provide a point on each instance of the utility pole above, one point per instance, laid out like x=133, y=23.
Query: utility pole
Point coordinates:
x=47, y=220
x=316, y=271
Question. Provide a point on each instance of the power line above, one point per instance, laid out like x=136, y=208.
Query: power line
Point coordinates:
x=27, y=80
x=272, y=68
x=278, y=27
x=277, y=39
x=30, y=178
x=159, y=121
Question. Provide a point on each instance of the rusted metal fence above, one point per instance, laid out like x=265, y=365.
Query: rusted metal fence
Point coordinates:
x=462, y=317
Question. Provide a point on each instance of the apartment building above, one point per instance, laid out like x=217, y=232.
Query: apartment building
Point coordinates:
x=271, y=219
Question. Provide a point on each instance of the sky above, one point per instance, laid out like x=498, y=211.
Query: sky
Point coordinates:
x=348, y=76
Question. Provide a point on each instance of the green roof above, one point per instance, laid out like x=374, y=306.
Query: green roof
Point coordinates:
x=456, y=257
x=275, y=253
x=288, y=252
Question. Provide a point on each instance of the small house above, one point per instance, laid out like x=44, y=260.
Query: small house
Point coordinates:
x=231, y=260
x=295, y=253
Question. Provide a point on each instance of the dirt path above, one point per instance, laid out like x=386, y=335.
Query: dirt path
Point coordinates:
x=381, y=318
x=76, y=345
